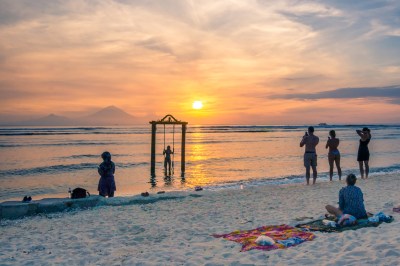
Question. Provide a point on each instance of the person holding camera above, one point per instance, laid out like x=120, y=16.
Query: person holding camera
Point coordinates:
x=310, y=141
x=106, y=171
x=333, y=154
x=363, y=151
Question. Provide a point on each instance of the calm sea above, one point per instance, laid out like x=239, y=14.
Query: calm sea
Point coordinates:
x=46, y=161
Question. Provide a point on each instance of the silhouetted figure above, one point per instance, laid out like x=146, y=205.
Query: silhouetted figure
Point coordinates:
x=333, y=154
x=106, y=171
x=167, y=159
x=310, y=156
x=363, y=151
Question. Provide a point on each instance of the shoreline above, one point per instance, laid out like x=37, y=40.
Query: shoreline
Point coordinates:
x=235, y=184
x=178, y=231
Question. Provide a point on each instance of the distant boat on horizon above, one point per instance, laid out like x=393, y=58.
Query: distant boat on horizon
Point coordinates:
x=322, y=124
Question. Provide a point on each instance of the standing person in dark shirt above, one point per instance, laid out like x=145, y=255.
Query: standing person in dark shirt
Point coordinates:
x=106, y=171
x=310, y=141
x=351, y=201
x=363, y=151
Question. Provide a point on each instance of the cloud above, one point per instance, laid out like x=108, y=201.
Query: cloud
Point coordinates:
x=302, y=78
x=156, y=45
x=390, y=93
x=149, y=55
x=12, y=12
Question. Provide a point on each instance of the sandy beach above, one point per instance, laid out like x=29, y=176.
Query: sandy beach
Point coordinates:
x=179, y=232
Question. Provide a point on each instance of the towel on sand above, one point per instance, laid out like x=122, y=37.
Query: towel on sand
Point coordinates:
x=318, y=225
x=283, y=235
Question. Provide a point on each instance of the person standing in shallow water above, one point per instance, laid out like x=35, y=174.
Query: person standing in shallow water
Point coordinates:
x=363, y=151
x=106, y=171
x=310, y=141
x=333, y=154
x=167, y=160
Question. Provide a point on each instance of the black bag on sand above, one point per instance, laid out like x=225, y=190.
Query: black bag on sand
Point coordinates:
x=79, y=193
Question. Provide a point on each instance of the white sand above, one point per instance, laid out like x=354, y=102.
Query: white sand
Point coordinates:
x=178, y=232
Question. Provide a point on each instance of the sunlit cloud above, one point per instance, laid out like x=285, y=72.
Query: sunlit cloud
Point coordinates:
x=155, y=57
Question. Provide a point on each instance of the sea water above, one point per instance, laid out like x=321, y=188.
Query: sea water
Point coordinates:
x=47, y=161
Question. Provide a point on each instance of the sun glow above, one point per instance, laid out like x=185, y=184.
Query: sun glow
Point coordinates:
x=197, y=105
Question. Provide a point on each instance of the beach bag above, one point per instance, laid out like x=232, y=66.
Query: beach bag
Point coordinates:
x=79, y=193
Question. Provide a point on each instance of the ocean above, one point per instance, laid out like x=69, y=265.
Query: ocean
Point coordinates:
x=47, y=161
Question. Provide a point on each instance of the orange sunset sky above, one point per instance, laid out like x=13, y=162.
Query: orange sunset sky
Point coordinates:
x=249, y=62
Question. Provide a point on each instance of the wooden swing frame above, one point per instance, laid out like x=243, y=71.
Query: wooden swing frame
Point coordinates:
x=167, y=120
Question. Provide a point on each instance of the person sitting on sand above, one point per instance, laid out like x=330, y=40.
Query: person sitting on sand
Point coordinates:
x=363, y=151
x=333, y=154
x=351, y=202
x=310, y=155
x=106, y=171
x=167, y=160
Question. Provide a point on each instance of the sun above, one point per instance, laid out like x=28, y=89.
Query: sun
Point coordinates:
x=197, y=105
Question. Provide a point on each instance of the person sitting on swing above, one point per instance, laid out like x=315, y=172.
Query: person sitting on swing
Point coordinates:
x=167, y=160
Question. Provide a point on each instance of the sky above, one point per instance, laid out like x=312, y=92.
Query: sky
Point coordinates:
x=248, y=61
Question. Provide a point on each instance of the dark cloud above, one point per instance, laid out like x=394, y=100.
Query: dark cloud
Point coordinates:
x=12, y=11
x=392, y=93
x=155, y=45
x=316, y=22
x=359, y=5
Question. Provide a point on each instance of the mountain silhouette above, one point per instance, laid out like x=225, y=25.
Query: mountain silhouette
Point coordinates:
x=110, y=115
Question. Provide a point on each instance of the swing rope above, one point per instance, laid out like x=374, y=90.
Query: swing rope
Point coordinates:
x=173, y=147
x=164, y=154
x=164, y=137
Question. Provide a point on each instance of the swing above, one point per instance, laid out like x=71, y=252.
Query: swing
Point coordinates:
x=173, y=151
x=168, y=120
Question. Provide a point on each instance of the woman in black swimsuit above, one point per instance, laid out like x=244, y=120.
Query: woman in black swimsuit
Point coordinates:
x=363, y=151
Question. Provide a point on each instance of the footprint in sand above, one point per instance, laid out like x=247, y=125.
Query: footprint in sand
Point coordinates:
x=392, y=253
x=358, y=253
x=134, y=230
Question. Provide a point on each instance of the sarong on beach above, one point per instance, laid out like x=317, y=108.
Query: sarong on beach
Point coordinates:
x=284, y=235
x=317, y=225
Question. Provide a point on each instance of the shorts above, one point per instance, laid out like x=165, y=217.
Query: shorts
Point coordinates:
x=310, y=159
